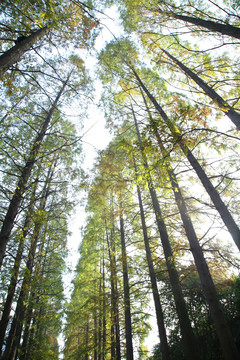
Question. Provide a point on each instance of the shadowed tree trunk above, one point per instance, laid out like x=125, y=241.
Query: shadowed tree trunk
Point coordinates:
x=115, y=329
x=223, y=330
x=13, y=208
x=233, y=115
x=14, y=335
x=224, y=29
x=189, y=341
x=126, y=291
x=23, y=44
x=104, y=333
x=17, y=262
x=222, y=327
x=164, y=348
x=212, y=192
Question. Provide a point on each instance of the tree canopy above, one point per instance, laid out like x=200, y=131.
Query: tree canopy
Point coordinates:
x=159, y=246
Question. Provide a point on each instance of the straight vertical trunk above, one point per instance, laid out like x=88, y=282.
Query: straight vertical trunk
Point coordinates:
x=17, y=324
x=13, y=55
x=86, y=340
x=233, y=115
x=13, y=208
x=127, y=305
x=115, y=329
x=100, y=318
x=212, y=192
x=188, y=337
x=164, y=348
x=104, y=335
x=14, y=336
x=16, y=267
x=222, y=327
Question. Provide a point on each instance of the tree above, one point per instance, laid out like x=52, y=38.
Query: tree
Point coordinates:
x=25, y=174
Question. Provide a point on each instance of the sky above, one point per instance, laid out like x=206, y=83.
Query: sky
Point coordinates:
x=96, y=137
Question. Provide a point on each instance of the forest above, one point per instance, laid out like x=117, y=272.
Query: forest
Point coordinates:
x=158, y=269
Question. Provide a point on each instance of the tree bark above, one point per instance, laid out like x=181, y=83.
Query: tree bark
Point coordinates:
x=11, y=56
x=14, y=277
x=212, y=192
x=13, y=208
x=224, y=29
x=126, y=291
x=14, y=336
x=104, y=333
x=221, y=324
x=115, y=330
x=189, y=341
x=164, y=348
x=233, y=115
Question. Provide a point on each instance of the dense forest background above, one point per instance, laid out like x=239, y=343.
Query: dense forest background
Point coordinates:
x=160, y=243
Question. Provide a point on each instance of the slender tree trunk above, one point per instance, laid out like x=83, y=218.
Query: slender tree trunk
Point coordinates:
x=104, y=332
x=233, y=115
x=13, y=55
x=100, y=317
x=115, y=329
x=95, y=336
x=164, y=348
x=14, y=277
x=224, y=29
x=127, y=305
x=223, y=330
x=222, y=327
x=14, y=336
x=212, y=192
x=13, y=208
x=26, y=334
x=188, y=337
x=17, y=324
x=86, y=340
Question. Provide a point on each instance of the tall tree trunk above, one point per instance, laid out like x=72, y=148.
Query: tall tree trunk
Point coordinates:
x=212, y=192
x=224, y=29
x=87, y=340
x=17, y=324
x=164, y=348
x=100, y=316
x=14, y=336
x=222, y=327
x=17, y=262
x=26, y=334
x=95, y=335
x=13, y=55
x=13, y=208
x=104, y=333
x=188, y=337
x=126, y=291
x=233, y=115
x=115, y=329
